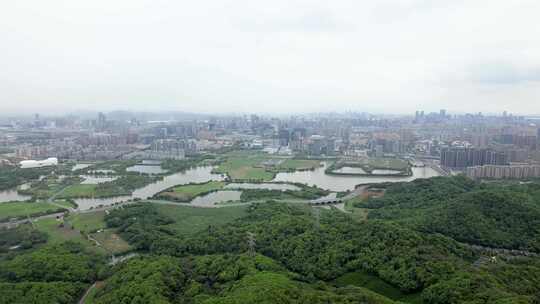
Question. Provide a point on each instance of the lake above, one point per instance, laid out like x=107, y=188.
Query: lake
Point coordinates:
x=195, y=175
x=12, y=195
x=211, y=199
x=80, y=166
x=148, y=169
x=93, y=180
x=267, y=186
x=343, y=183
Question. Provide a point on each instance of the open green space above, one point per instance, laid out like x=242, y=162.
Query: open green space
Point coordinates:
x=88, y=222
x=368, y=165
x=58, y=232
x=23, y=209
x=250, y=165
x=186, y=193
x=49, y=186
x=245, y=166
x=189, y=220
x=111, y=242
x=80, y=190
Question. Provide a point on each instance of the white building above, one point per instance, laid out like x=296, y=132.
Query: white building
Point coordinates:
x=39, y=163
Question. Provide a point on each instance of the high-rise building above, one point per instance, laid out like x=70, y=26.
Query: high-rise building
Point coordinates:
x=463, y=158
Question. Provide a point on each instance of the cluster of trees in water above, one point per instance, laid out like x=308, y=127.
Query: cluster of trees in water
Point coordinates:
x=287, y=253
x=305, y=193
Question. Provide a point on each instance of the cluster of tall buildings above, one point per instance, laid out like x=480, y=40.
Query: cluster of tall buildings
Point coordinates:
x=507, y=172
x=459, y=158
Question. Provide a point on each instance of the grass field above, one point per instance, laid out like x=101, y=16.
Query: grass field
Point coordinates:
x=186, y=193
x=191, y=220
x=243, y=165
x=248, y=165
x=87, y=190
x=58, y=234
x=377, y=285
x=22, y=209
x=88, y=222
x=112, y=242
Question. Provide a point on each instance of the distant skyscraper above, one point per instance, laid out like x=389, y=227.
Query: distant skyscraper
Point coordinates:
x=442, y=113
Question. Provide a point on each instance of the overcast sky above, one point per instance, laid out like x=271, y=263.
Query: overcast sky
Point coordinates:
x=281, y=56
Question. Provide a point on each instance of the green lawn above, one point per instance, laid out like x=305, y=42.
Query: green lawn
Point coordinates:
x=377, y=285
x=245, y=165
x=191, y=219
x=186, y=193
x=58, y=234
x=86, y=190
x=88, y=222
x=22, y=209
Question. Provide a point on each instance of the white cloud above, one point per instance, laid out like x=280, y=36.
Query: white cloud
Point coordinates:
x=277, y=56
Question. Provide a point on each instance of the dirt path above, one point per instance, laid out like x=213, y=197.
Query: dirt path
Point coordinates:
x=83, y=299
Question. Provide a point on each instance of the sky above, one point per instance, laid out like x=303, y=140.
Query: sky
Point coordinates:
x=279, y=56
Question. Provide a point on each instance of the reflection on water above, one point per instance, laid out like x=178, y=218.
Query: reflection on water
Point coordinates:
x=196, y=175
x=93, y=180
x=213, y=198
x=151, y=162
x=350, y=170
x=148, y=169
x=268, y=186
x=80, y=166
x=342, y=183
x=385, y=172
x=12, y=195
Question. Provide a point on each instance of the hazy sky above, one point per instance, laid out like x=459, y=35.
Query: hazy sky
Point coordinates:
x=392, y=56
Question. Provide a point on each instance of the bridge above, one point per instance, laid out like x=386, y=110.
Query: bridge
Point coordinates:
x=326, y=201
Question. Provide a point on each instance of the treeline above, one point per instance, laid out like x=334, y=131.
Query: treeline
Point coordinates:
x=493, y=215
x=11, y=177
x=173, y=166
x=305, y=193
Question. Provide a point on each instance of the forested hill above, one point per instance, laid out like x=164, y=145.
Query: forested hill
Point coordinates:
x=315, y=251
x=414, y=247
x=498, y=215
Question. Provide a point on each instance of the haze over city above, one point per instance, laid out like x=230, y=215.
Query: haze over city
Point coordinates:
x=274, y=57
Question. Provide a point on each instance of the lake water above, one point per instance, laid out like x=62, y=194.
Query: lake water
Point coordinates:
x=195, y=175
x=12, y=195
x=209, y=200
x=350, y=170
x=385, y=172
x=268, y=186
x=93, y=180
x=148, y=169
x=342, y=183
x=80, y=166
